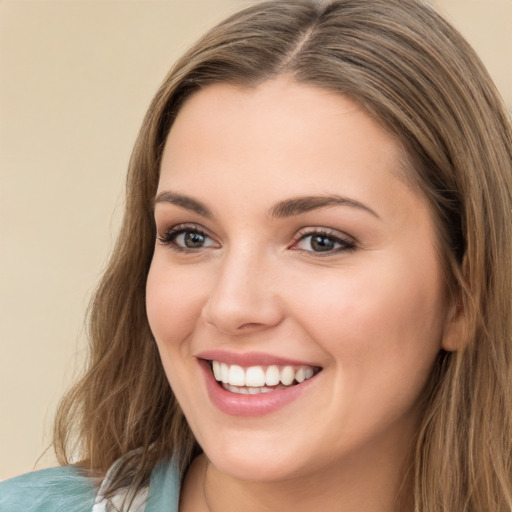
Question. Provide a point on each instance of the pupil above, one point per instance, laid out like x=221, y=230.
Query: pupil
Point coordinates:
x=322, y=243
x=194, y=240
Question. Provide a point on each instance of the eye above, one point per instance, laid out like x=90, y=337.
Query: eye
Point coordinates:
x=186, y=238
x=320, y=241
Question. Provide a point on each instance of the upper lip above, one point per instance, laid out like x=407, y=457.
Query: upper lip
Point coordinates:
x=247, y=359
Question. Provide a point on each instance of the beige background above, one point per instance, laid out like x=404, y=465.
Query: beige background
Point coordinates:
x=75, y=80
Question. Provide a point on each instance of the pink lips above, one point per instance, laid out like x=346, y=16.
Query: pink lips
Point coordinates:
x=236, y=404
x=249, y=359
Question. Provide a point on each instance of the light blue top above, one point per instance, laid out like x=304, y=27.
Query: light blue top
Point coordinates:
x=65, y=489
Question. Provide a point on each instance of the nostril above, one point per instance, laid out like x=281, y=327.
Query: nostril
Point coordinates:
x=238, y=304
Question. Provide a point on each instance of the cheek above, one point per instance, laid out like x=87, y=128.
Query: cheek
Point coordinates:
x=381, y=324
x=173, y=303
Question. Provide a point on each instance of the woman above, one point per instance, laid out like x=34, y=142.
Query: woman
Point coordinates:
x=309, y=303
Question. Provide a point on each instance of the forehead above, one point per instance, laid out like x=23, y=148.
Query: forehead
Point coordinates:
x=271, y=128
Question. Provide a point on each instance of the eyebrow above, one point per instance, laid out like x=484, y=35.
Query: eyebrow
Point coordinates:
x=282, y=209
x=298, y=205
x=185, y=202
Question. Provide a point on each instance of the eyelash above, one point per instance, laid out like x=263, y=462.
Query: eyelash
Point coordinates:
x=169, y=237
x=345, y=244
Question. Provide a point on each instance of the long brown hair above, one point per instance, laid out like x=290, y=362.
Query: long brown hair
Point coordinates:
x=419, y=78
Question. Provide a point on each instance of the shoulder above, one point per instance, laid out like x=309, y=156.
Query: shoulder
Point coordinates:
x=61, y=489
x=164, y=488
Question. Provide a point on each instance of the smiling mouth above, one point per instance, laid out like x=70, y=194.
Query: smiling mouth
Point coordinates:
x=254, y=380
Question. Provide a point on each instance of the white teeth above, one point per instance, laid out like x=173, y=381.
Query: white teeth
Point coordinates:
x=272, y=376
x=216, y=370
x=250, y=391
x=236, y=375
x=255, y=376
x=224, y=372
x=287, y=375
x=257, y=379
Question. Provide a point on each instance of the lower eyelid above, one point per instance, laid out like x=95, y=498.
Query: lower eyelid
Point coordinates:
x=338, y=237
x=341, y=245
x=170, y=236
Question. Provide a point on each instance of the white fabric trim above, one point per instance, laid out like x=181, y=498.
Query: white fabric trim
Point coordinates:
x=115, y=503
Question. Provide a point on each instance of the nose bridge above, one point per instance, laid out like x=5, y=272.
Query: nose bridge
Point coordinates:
x=243, y=296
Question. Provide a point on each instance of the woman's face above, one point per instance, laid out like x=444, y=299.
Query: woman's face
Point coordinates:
x=292, y=254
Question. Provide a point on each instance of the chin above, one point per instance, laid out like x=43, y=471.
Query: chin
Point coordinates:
x=253, y=461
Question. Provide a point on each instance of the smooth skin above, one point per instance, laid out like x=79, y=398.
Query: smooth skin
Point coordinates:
x=355, y=288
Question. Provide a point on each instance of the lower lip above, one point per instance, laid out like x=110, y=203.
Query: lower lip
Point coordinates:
x=237, y=404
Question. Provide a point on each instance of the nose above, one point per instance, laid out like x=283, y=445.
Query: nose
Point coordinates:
x=244, y=297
